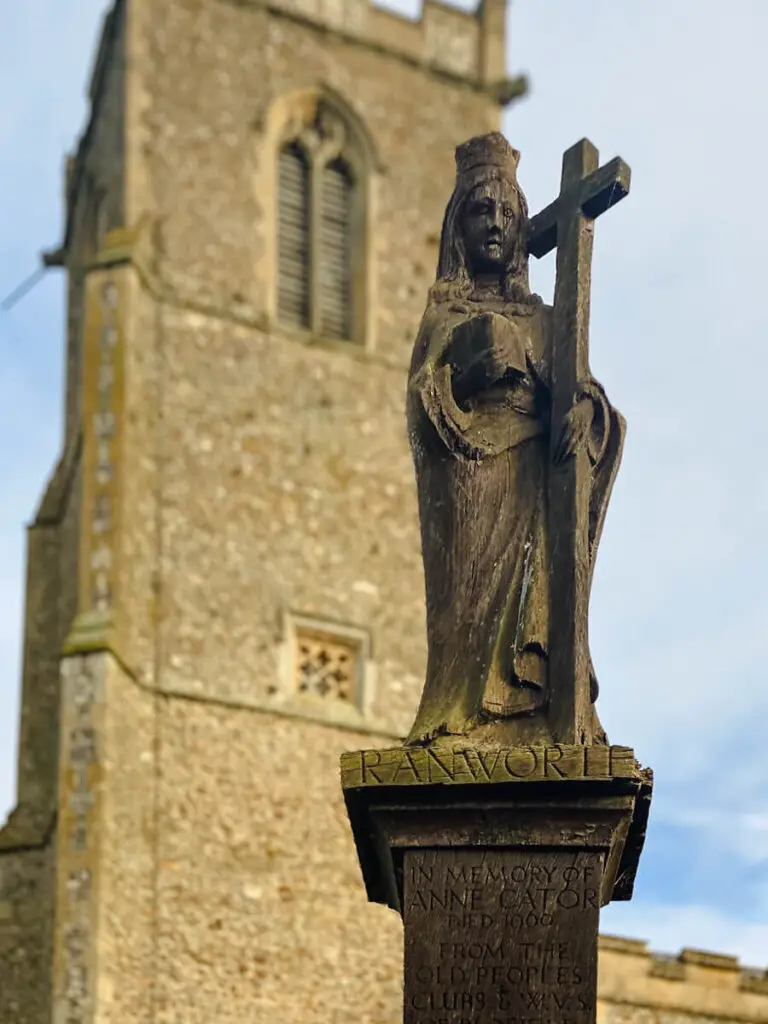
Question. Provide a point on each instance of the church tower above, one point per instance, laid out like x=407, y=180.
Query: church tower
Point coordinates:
x=224, y=583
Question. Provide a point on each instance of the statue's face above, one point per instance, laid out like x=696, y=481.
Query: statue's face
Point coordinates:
x=490, y=223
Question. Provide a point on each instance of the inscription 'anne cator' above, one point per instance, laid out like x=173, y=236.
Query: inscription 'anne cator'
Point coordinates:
x=534, y=892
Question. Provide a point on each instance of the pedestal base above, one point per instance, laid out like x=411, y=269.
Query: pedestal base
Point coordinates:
x=499, y=861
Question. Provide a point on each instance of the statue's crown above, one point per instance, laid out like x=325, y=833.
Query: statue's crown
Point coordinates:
x=491, y=150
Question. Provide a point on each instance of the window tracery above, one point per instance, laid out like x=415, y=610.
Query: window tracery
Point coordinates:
x=327, y=666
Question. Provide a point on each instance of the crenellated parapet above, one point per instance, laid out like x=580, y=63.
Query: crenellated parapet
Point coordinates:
x=633, y=978
x=464, y=44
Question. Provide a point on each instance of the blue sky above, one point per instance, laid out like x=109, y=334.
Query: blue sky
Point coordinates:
x=679, y=329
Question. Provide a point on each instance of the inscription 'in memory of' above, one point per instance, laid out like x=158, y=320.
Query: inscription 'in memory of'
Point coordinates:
x=413, y=766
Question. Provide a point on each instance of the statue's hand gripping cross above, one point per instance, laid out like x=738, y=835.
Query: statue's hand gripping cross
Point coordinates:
x=586, y=191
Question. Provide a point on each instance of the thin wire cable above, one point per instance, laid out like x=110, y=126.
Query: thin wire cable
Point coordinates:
x=23, y=289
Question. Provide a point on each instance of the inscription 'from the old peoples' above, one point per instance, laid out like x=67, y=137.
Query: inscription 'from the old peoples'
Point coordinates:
x=516, y=447
x=500, y=936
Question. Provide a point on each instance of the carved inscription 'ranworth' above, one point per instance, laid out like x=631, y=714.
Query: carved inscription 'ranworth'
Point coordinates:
x=414, y=766
x=498, y=936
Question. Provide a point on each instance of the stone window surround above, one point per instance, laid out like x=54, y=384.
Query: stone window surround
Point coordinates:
x=293, y=117
x=295, y=624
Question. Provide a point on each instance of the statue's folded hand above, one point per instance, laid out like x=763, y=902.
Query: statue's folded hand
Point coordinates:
x=498, y=360
x=484, y=350
x=574, y=429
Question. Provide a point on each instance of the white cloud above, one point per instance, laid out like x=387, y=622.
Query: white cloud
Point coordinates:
x=743, y=832
x=670, y=927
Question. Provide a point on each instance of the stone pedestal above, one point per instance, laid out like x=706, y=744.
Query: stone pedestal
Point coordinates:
x=498, y=861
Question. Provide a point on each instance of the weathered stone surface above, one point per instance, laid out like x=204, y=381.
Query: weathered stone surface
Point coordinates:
x=26, y=934
x=256, y=879
x=95, y=179
x=125, y=939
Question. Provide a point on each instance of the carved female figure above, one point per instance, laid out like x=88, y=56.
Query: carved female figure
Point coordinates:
x=479, y=426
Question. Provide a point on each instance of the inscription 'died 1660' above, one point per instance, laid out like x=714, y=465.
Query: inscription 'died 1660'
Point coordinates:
x=500, y=936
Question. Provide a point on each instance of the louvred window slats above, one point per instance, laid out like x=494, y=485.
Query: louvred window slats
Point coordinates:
x=315, y=244
x=293, y=258
x=335, y=251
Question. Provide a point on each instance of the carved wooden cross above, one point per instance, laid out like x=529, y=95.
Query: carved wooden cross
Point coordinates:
x=586, y=191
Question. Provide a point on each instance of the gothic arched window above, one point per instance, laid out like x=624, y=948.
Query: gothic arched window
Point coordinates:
x=320, y=226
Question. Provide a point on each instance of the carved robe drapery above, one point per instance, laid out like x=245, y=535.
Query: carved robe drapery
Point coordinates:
x=481, y=462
